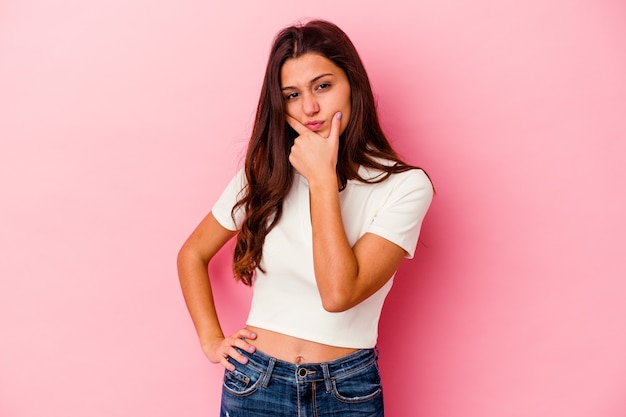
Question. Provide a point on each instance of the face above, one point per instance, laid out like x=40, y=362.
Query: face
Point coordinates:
x=314, y=89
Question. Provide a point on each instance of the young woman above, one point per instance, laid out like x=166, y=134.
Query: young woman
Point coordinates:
x=323, y=213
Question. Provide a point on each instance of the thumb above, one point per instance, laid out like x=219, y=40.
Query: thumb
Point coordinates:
x=335, y=127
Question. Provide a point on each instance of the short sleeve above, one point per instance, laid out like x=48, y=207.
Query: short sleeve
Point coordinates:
x=222, y=209
x=400, y=217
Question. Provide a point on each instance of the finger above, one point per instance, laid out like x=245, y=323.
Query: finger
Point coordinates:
x=296, y=125
x=225, y=361
x=247, y=334
x=335, y=127
x=229, y=355
x=226, y=364
x=234, y=353
x=241, y=343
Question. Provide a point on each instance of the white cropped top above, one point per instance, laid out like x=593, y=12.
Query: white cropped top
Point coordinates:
x=285, y=298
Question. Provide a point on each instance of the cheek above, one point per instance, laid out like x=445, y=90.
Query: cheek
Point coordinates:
x=346, y=115
x=291, y=109
x=345, y=119
x=347, y=108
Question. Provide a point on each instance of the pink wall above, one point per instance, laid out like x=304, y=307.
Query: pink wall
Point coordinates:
x=120, y=122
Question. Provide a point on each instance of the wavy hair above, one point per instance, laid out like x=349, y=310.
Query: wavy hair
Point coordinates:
x=268, y=171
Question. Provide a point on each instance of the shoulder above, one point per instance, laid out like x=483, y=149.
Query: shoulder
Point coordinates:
x=412, y=178
x=416, y=177
x=223, y=208
x=400, y=202
x=413, y=185
x=238, y=182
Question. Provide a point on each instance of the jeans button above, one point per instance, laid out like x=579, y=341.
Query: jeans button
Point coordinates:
x=302, y=372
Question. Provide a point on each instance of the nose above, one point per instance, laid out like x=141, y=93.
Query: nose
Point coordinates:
x=309, y=105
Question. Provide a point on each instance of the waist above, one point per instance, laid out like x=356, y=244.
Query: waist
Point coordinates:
x=295, y=350
x=311, y=371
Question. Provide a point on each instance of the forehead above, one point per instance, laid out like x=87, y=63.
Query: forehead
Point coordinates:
x=301, y=70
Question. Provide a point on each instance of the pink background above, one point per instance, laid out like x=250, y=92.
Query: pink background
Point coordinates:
x=121, y=121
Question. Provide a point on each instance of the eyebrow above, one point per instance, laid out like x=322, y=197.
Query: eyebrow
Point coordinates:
x=310, y=82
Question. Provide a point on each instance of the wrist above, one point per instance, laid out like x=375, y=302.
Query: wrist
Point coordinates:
x=208, y=340
x=321, y=183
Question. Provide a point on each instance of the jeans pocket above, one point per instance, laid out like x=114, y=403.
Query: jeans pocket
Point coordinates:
x=360, y=386
x=244, y=380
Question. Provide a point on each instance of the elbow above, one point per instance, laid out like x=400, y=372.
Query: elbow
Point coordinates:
x=340, y=295
x=332, y=308
x=182, y=257
x=336, y=303
x=182, y=260
x=187, y=258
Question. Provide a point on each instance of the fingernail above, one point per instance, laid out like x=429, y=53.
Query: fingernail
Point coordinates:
x=251, y=349
x=339, y=115
x=231, y=368
x=244, y=360
x=252, y=335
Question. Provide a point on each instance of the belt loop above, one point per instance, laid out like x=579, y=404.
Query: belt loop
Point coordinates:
x=268, y=373
x=327, y=382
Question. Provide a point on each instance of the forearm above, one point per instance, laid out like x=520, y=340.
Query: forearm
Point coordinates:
x=193, y=261
x=196, y=288
x=336, y=266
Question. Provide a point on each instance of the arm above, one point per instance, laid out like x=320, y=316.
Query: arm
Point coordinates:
x=345, y=275
x=193, y=260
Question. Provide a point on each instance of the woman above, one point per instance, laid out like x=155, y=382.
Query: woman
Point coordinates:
x=323, y=213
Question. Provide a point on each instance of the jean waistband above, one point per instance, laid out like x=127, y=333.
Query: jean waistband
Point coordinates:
x=308, y=372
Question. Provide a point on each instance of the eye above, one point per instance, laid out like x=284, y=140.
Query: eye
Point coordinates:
x=291, y=96
x=323, y=86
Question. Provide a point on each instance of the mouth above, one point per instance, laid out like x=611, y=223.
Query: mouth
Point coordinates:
x=315, y=125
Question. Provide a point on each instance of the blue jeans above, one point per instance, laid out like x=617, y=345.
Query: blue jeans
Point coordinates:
x=265, y=386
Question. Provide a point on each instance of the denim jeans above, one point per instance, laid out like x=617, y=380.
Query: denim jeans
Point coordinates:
x=348, y=387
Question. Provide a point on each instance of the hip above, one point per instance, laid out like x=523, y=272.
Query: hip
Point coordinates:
x=349, y=385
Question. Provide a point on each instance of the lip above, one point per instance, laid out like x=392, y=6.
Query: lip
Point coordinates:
x=315, y=125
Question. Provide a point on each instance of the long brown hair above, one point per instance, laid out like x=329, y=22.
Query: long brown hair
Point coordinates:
x=268, y=171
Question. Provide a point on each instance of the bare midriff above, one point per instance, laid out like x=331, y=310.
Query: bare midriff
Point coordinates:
x=293, y=349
